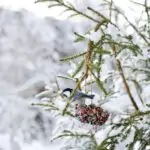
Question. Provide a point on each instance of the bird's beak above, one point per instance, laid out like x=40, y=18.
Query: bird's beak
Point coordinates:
x=61, y=94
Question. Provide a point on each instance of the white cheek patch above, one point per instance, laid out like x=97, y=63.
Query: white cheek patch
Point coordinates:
x=67, y=93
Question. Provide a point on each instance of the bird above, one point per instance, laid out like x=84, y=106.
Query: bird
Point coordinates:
x=78, y=97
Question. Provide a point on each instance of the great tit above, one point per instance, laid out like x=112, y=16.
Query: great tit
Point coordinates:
x=79, y=97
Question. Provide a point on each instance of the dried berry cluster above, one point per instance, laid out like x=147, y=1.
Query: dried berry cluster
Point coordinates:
x=91, y=114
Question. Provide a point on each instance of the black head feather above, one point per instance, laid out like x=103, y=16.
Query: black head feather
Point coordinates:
x=68, y=89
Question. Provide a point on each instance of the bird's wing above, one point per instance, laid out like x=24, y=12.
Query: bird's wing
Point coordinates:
x=78, y=95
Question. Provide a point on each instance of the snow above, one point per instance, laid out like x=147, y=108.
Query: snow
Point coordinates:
x=29, y=62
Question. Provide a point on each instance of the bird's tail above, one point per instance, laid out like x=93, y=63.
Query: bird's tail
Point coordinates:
x=90, y=96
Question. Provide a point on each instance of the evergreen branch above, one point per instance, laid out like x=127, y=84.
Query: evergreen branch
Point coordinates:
x=147, y=11
x=53, y=5
x=77, y=135
x=106, y=20
x=110, y=9
x=134, y=27
x=37, y=1
x=148, y=105
x=78, y=69
x=88, y=57
x=137, y=3
x=99, y=25
x=67, y=133
x=70, y=114
x=139, y=90
x=57, y=84
x=51, y=107
x=99, y=14
x=109, y=141
x=99, y=64
x=126, y=85
x=142, y=70
x=57, y=1
x=124, y=81
x=102, y=51
x=71, y=8
x=73, y=15
x=136, y=134
x=45, y=105
x=125, y=127
x=66, y=10
x=140, y=113
x=100, y=84
x=64, y=77
x=96, y=67
x=79, y=37
x=79, y=12
x=89, y=83
x=132, y=47
x=73, y=57
x=69, y=4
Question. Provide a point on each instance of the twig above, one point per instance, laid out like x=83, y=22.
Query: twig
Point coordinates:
x=134, y=27
x=78, y=12
x=125, y=82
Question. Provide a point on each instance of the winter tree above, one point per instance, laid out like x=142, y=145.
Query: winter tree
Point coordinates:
x=115, y=66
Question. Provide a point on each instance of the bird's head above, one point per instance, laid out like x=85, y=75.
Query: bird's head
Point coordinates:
x=66, y=92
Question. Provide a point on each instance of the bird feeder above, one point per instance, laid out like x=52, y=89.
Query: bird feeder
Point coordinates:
x=91, y=114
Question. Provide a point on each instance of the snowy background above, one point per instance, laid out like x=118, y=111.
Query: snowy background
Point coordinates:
x=30, y=49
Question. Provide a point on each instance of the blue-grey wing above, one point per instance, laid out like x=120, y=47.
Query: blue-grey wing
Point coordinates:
x=78, y=95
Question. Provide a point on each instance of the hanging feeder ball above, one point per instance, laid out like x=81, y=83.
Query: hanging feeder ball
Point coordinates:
x=91, y=114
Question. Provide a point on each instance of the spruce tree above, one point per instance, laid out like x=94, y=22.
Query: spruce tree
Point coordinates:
x=126, y=57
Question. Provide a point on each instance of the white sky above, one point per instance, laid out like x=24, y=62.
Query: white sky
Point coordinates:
x=39, y=9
